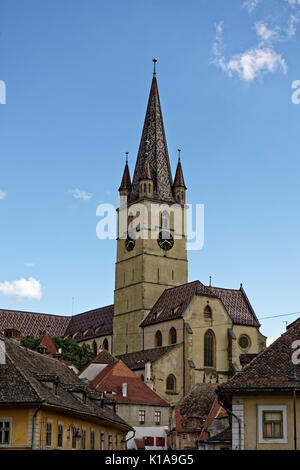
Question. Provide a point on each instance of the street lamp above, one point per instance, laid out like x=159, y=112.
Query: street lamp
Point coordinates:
x=294, y=379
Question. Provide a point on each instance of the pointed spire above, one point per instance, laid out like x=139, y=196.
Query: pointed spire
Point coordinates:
x=155, y=152
x=126, y=180
x=179, y=180
x=146, y=171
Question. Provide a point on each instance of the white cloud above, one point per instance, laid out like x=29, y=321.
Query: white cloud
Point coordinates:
x=2, y=194
x=250, y=64
x=22, y=288
x=30, y=265
x=291, y=27
x=250, y=5
x=79, y=194
x=254, y=62
x=264, y=33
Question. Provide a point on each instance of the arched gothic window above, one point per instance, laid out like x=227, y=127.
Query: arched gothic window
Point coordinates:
x=172, y=336
x=209, y=349
x=171, y=383
x=95, y=348
x=158, y=338
x=105, y=344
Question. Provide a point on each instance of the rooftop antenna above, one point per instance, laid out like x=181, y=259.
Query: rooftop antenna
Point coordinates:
x=154, y=60
x=72, y=305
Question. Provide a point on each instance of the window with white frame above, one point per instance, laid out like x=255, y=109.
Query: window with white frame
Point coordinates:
x=157, y=417
x=272, y=424
x=110, y=442
x=5, y=430
x=142, y=416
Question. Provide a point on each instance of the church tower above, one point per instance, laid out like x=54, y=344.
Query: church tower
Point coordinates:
x=151, y=249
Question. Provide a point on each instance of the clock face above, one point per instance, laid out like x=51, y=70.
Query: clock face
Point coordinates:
x=129, y=243
x=165, y=240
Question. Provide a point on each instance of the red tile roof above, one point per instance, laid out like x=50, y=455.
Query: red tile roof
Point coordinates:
x=33, y=324
x=269, y=370
x=112, y=378
x=173, y=302
x=48, y=343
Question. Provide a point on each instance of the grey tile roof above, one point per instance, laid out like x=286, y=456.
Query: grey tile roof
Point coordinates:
x=24, y=379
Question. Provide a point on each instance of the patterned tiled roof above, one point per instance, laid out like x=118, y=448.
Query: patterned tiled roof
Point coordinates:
x=91, y=324
x=153, y=147
x=114, y=375
x=270, y=369
x=173, y=302
x=33, y=324
x=137, y=360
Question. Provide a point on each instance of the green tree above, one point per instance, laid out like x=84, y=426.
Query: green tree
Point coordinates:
x=80, y=356
x=30, y=342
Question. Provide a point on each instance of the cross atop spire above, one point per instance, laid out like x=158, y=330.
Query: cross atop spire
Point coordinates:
x=154, y=60
x=153, y=150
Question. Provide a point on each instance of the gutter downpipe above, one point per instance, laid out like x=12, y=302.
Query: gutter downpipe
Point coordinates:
x=236, y=417
x=33, y=425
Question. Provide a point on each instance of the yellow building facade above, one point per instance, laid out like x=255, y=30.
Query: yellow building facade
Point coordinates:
x=48, y=429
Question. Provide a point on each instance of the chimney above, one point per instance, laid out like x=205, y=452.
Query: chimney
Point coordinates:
x=2, y=353
x=124, y=389
x=148, y=375
x=12, y=333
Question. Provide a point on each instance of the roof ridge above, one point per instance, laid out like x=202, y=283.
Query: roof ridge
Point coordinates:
x=35, y=313
x=93, y=310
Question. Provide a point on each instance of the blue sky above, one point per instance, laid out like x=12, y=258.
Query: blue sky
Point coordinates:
x=78, y=77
